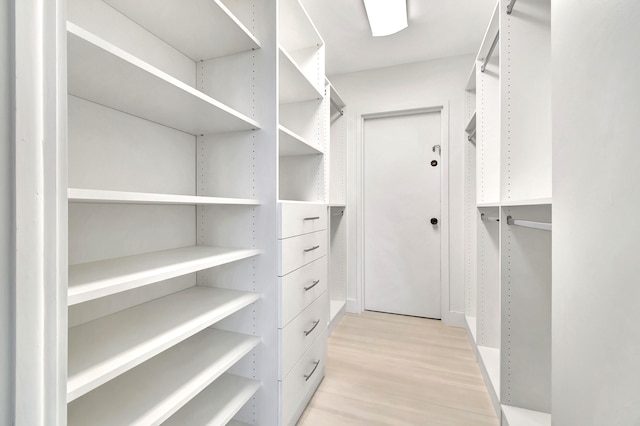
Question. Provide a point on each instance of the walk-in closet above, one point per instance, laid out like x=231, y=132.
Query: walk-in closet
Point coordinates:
x=319, y=212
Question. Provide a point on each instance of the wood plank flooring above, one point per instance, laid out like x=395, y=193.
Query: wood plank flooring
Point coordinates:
x=387, y=369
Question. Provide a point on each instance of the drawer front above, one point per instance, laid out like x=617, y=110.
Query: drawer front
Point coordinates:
x=301, y=287
x=296, y=252
x=300, y=333
x=302, y=381
x=301, y=218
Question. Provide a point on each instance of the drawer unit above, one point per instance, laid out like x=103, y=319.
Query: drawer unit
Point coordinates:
x=296, y=252
x=301, y=287
x=301, y=218
x=299, y=385
x=300, y=333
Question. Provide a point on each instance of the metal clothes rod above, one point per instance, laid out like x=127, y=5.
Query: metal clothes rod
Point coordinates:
x=510, y=6
x=493, y=47
x=544, y=226
x=489, y=218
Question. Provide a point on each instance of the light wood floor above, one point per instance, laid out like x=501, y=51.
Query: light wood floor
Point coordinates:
x=387, y=369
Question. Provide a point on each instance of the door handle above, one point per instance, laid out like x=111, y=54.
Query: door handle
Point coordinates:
x=308, y=376
x=311, y=249
x=315, y=324
x=315, y=283
x=434, y=221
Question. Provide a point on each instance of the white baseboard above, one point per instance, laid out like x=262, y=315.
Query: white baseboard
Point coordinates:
x=353, y=306
x=454, y=319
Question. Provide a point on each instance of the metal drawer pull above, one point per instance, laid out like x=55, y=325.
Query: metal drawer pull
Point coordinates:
x=315, y=324
x=315, y=283
x=312, y=218
x=311, y=249
x=308, y=376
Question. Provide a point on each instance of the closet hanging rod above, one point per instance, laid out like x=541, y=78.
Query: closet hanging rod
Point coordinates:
x=489, y=218
x=544, y=226
x=493, y=47
x=510, y=6
x=338, y=107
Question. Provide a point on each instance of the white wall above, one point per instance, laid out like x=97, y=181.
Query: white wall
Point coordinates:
x=416, y=85
x=6, y=185
x=596, y=200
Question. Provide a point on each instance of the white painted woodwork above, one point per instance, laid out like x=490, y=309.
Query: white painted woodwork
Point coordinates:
x=106, y=347
x=306, y=119
x=337, y=258
x=295, y=86
x=299, y=218
x=297, y=31
x=293, y=296
x=91, y=280
x=80, y=195
x=488, y=272
x=489, y=361
x=298, y=335
x=298, y=251
x=488, y=132
x=298, y=387
x=291, y=144
x=156, y=389
x=194, y=28
x=217, y=403
x=103, y=73
x=514, y=416
x=401, y=194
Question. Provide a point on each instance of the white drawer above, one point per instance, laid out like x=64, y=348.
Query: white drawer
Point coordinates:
x=298, y=386
x=300, y=333
x=301, y=287
x=301, y=218
x=296, y=252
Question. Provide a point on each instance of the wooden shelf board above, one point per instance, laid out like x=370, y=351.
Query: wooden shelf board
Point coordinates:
x=472, y=124
x=156, y=389
x=530, y=202
x=490, y=358
x=81, y=195
x=88, y=281
x=106, y=347
x=105, y=74
x=520, y=417
x=291, y=144
x=195, y=28
x=217, y=404
x=294, y=85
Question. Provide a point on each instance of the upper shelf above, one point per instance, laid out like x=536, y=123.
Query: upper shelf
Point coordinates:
x=490, y=35
x=337, y=104
x=292, y=144
x=294, y=84
x=196, y=27
x=529, y=202
x=471, y=127
x=105, y=74
x=91, y=280
x=296, y=30
x=104, y=348
x=156, y=389
x=79, y=195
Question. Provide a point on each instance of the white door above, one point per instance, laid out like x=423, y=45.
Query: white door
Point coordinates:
x=401, y=196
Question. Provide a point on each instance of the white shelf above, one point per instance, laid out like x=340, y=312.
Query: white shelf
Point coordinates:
x=296, y=30
x=195, y=28
x=153, y=391
x=91, y=280
x=490, y=35
x=104, y=348
x=236, y=423
x=80, y=195
x=217, y=404
x=472, y=124
x=292, y=144
x=294, y=84
x=471, y=81
x=337, y=104
x=495, y=204
x=520, y=417
x=102, y=73
x=531, y=202
x=491, y=361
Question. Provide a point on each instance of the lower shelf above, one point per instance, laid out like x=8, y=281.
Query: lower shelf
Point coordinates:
x=156, y=389
x=217, y=404
x=337, y=308
x=514, y=416
x=489, y=361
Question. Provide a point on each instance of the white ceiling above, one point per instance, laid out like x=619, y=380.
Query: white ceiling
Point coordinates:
x=437, y=29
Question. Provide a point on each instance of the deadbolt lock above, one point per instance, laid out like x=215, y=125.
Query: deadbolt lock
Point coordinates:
x=434, y=221
x=434, y=163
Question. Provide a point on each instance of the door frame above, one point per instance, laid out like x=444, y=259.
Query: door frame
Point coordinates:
x=443, y=109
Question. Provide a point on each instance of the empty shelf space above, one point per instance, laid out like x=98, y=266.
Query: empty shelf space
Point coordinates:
x=156, y=389
x=296, y=30
x=217, y=404
x=530, y=202
x=490, y=358
x=195, y=28
x=520, y=417
x=292, y=144
x=294, y=84
x=105, y=74
x=101, y=278
x=106, y=347
x=79, y=195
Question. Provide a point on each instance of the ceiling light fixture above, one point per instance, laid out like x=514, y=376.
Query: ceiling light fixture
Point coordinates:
x=386, y=17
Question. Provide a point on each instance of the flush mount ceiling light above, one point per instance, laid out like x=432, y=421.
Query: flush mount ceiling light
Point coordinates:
x=386, y=17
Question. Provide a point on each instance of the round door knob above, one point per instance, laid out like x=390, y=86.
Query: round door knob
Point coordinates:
x=434, y=221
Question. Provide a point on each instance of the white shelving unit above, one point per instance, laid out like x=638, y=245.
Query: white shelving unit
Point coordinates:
x=508, y=175
x=79, y=195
